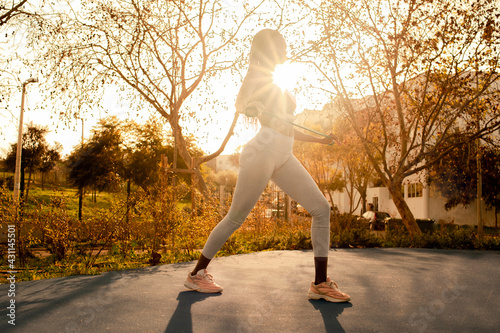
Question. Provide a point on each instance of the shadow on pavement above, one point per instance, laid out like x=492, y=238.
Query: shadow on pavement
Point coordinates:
x=42, y=297
x=181, y=320
x=330, y=312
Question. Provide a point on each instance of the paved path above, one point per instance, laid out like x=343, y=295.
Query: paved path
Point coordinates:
x=392, y=290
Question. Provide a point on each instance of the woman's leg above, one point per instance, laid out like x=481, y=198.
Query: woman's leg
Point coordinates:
x=256, y=168
x=294, y=179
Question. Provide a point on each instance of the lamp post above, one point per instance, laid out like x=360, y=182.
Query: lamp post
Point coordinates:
x=17, y=175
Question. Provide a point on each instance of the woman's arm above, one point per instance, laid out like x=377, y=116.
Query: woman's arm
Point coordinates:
x=244, y=94
x=298, y=135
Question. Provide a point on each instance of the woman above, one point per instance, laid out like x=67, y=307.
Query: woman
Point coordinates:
x=269, y=156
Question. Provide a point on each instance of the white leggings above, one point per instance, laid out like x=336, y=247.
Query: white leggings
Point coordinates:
x=269, y=156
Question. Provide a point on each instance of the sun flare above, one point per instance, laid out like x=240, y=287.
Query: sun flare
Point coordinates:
x=285, y=76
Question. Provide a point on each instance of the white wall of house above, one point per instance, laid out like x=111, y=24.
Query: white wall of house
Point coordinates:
x=459, y=214
x=429, y=205
x=225, y=162
x=342, y=202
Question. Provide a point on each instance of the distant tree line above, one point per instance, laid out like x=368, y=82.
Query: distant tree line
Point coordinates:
x=117, y=153
x=36, y=155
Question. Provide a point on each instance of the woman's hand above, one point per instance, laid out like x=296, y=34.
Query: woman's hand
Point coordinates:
x=330, y=140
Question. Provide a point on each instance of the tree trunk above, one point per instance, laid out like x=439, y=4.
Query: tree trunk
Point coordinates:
x=80, y=203
x=403, y=209
x=186, y=156
x=29, y=184
x=127, y=215
x=496, y=217
x=364, y=200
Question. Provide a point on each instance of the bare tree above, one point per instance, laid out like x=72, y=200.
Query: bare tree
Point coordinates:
x=416, y=70
x=156, y=51
x=7, y=12
x=14, y=17
x=322, y=162
x=358, y=171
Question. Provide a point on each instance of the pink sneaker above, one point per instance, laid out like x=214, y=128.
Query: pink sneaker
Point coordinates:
x=327, y=290
x=202, y=282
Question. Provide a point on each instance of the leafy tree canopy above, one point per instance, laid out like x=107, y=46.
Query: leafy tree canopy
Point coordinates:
x=457, y=182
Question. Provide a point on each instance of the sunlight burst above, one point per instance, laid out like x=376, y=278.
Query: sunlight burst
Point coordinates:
x=285, y=76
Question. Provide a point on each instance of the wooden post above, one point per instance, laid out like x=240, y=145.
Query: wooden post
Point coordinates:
x=164, y=168
x=288, y=209
x=193, y=186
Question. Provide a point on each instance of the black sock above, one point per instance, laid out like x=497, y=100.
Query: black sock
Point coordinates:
x=320, y=265
x=201, y=264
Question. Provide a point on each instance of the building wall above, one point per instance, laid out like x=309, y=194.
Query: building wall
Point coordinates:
x=224, y=162
x=429, y=205
x=459, y=214
x=342, y=202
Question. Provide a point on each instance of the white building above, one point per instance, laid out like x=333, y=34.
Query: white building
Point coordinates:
x=426, y=203
x=423, y=200
x=224, y=163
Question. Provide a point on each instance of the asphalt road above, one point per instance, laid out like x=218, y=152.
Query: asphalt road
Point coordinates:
x=392, y=290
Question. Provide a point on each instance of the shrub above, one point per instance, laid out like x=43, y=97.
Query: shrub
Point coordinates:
x=7, y=207
x=355, y=237
x=57, y=228
x=445, y=236
x=344, y=221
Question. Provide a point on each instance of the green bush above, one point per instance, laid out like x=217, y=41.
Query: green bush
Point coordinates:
x=345, y=221
x=445, y=236
x=354, y=238
x=396, y=225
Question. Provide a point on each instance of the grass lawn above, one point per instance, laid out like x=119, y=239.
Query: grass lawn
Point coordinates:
x=38, y=196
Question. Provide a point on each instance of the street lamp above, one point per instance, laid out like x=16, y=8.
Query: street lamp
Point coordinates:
x=17, y=175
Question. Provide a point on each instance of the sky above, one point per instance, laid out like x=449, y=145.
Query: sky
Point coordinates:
x=209, y=137
x=70, y=135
